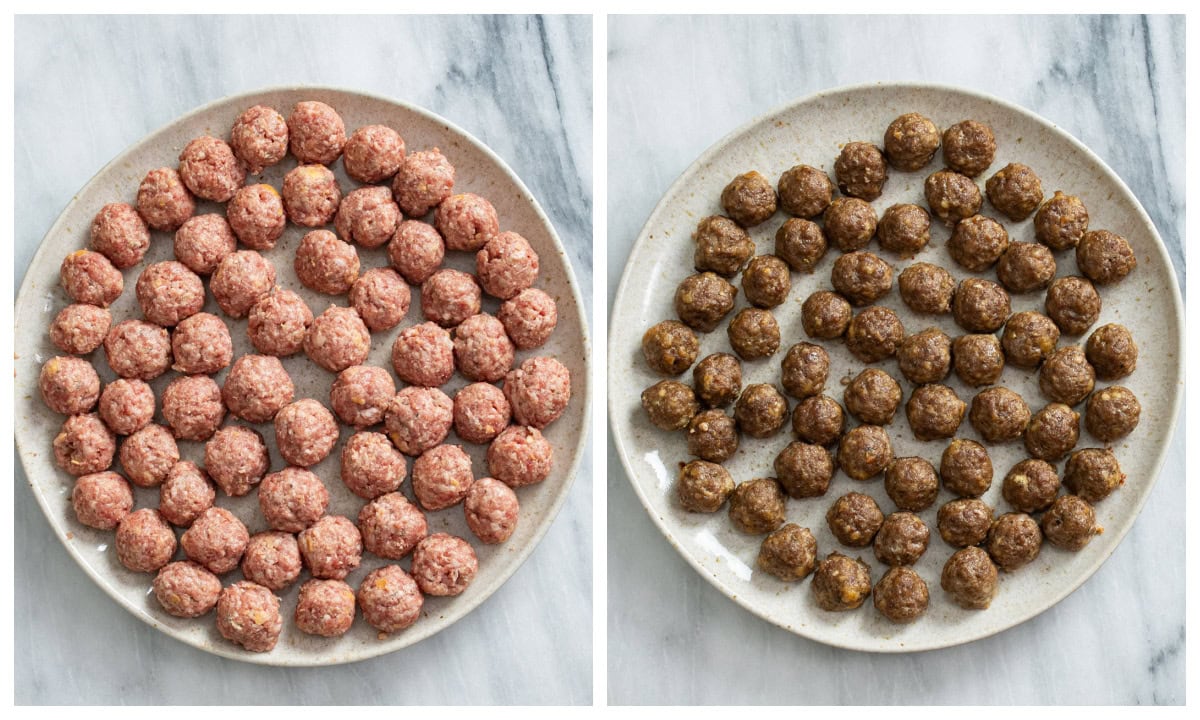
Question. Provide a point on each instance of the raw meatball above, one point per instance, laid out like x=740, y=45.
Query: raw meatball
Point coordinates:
x=450, y=296
x=163, y=201
x=873, y=397
x=240, y=280
x=418, y=418
x=1073, y=304
x=538, y=391
x=481, y=411
x=256, y=216
x=278, y=322
x=874, y=334
x=925, y=356
x=441, y=477
x=717, y=379
x=311, y=195
x=904, y=229
x=926, y=288
x=805, y=191
x=292, y=499
x=256, y=387
x=423, y=355
x=373, y=153
x=749, y=199
x=491, y=508
x=482, y=350
x=370, y=466
x=259, y=138
x=529, y=318
x=272, y=559
x=841, y=583
x=391, y=526
x=506, y=265
x=861, y=170
x=804, y=470
x=703, y=487
x=1025, y=267
x=148, y=455
x=760, y=411
x=966, y=468
x=79, y=329
x=722, y=246
x=210, y=170
x=1093, y=474
x=854, y=519
x=145, y=542
x=85, y=445
x=1070, y=523
x=1029, y=337
x=466, y=222
x=818, y=420
x=864, y=452
x=390, y=599
x=850, y=223
x=669, y=405
x=1052, y=433
x=911, y=483
x=119, y=234
x=423, y=180
x=444, y=565
x=951, y=196
x=316, y=133
x=248, y=614
x=934, y=411
x=977, y=243
x=89, y=277
x=1030, y=486
x=185, y=494
x=101, y=500
x=381, y=298
x=804, y=370
x=1112, y=413
x=964, y=522
x=331, y=547
x=901, y=595
x=326, y=264
x=1061, y=222
x=902, y=539
x=978, y=359
x=368, y=216
x=968, y=147
x=1112, y=352
x=756, y=507
x=969, y=577
x=416, y=250
x=766, y=281
x=801, y=243
x=360, y=395
x=520, y=456
x=137, y=349
x=186, y=590
x=216, y=540
x=910, y=142
x=999, y=415
x=305, y=432
x=1015, y=191
x=1014, y=541
x=670, y=347
x=325, y=608
x=981, y=306
x=192, y=406
x=337, y=339
x=69, y=385
x=1066, y=376
x=703, y=300
x=825, y=315
x=201, y=345
x=1104, y=257
x=236, y=459
x=789, y=553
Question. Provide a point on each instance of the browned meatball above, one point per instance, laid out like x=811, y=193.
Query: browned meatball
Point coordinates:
x=717, y=379
x=925, y=356
x=1093, y=473
x=703, y=486
x=964, y=521
x=911, y=483
x=818, y=419
x=861, y=277
x=1112, y=352
x=1112, y=413
x=1070, y=523
x=977, y=243
x=1029, y=337
x=966, y=468
x=1061, y=222
x=910, y=142
x=1073, y=304
x=841, y=583
x=978, y=359
x=874, y=334
x=1015, y=190
x=712, y=435
x=760, y=411
x=670, y=405
x=969, y=577
x=756, y=507
x=754, y=333
x=901, y=595
x=825, y=315
x=703, y=300
x=861, y=170
x=1104, y=257
x=927, y=288
x=902, y=539
x=805, y=369
x=801, y=243
x=981, y=306
x=854, y=519
x=670, y=347
x=934, y=411
x=749, y=199
x=952, y=197
x=904, y=229
x=1030, y=486
x=804, y=470
x=721, y=246
x=1014, y=541
x=999, y=415
x=968, y=147
x=1066, y=376
x=864, y=452
x=850, y=223
x=872, y=397
x=805, y=191
x=766, y=281
x=789, y=553
x=1052, y=433
x=1025, y=267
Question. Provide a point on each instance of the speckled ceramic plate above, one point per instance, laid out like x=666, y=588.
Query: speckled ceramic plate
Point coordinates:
x=812, y=131
x=479, y=170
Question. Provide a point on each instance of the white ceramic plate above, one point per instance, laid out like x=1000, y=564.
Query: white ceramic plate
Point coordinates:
x=479, y=170
x=812, y=131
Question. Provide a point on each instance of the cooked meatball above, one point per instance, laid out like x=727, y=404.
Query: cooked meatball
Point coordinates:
x=1029, y=337
x=901, y=595
x=85, y=445
x=951, y=196
x=766, y=281
x=248, y=614
x=361, y=394
x=259, y=138
x=210, y=170
x=326, y=264
x=1104, y=257
x=861, y=277
x=670, y=405
x=703, y=300
x=874, y=334
x=864, y=452
x=999, y=415
x=977, y=243
x=203, y=241
x=423, y=355
x=1070, y=523
x=911, y=483
x=924, y=357
x=756, y=507
x=325, y=608
x=370, y=465
x=137, y=349
x=390, y=599
x=466, y=222
x=216, y=540
x=964, y=522
x=910, y=141
x=805, y=191
x=981, y=306
x=444, y=565
x=1111, y=352
x=201, y=344
x=1052, y=433
x=236, y=459
x=272, y=559
x=482, y=350
x=69, y=385
x=966, y=469
x=256, y=216
x=1015, y=190
x=1061, y=222
x=331, y=547
x=441, y=477
x=873, y=397
x=481, y=411
x=712, y=435
x=789, y=553
x=841, y=583
x=934, y=411
x=1030, y=486
x=79, y=329
x=506, y=265
x=926, y=288
x=311, y=195
x=717, y=379
x=144, y=542
x=1066, y=376
x=119, y=234
x=416, y=251
x=316, y=133
x=373, y=153
x=240, y=280
x=163, y=201
x=101, y=500
x=804, y=470
x=825, y=315
x=148, y=455
x=1073, y=304
x=861, y=170
x=392, y=526
x=538, y=391
x=805, y=368
x=902, y=539
x=1112, y=413
x=904, y=229
x=185, y=494
x=1025, y=267
x=337, y=339
x=753, y=334
x=722, y=246
x=850, y=223
x=423, y=180
x=292, y=499
x=968, y=147
x=418, y=419
x=760, y=411
x=88, y=277
x=1014, y=541
x=1093, y=473
x=749, y=199
x=192, y=407
x=491, y=508
x=818, y=419
x=529, y=318
x=186, y=590
x=978, y=359
x=969, y=577
x=854, y=519
x=703, y=486
x=801, y=243
x=256, y=387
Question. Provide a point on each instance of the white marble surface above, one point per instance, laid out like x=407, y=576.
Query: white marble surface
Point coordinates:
x=676, y=85
x=88, y=87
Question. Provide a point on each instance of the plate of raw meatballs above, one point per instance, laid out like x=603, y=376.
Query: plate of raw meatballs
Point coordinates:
x=895, y=366
x=303, y=376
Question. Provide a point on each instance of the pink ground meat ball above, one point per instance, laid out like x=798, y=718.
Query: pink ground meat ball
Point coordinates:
x=210, y=170
x=240, y=280
x=127, y=406
x=185, y=494
x=391, y=526
x=145, y=542
x=423, y=180
x=373, y=154
x=482, y=350
x=311, y=195
x=272, y=559
x=89, y=277
x=326, y=264
x=101, y=500
x=138, y=349
x=325, y=608
x=390, y=599
x=201, y=345
x=79, y=329
x=480, y=412
x=506, y=265
x=259, y=138
x=418, y=419
x=331, y=547
x=361, y=394
x=256, y=216
x=416, y=251
x=444, y=565
x=292, y=499
x=203, y=241
x=69, y=385
x=186, y=590
x=148, y=455
x=371, y=466
x=85, y=445
x=248, y=614
x=381, y=298
x=538, y=391
x=441, y=477
x=466, y=221
x=278, y=323
x=337, y=339
x=120, y=234
x=520, y=456
x=163, y=201
x=423, y=355
x=450, y=296
x=216, y=540
x=168, y=292
x=256, y=388
x=316, y=133
x=236, y=458
x=305, y=433
x=491, y=508
x=192, y=406
x=368, y=216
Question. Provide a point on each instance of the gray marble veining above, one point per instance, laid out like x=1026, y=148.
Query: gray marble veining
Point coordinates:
x=677, y=85
x=87, y=87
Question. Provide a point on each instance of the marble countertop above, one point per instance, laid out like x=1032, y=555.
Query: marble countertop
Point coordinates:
x=86, y=88
x=678, y=85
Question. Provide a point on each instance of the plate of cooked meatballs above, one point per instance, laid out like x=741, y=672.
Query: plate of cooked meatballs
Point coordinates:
x=895, y=366
x=302, y=376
